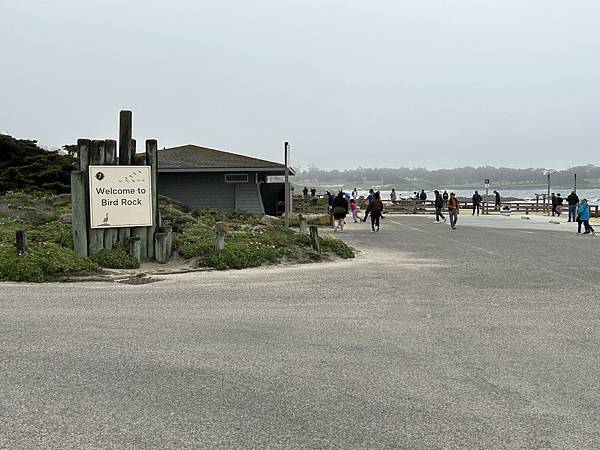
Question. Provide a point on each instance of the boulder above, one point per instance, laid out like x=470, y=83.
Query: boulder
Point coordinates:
x=270, y=220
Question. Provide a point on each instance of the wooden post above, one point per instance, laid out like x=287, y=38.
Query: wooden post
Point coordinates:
x=302, y=221
x=110, y=159
x=80, y=212
x=96, y=236
x=286, y=219
x=133, y=247
x=220, y=236
x=124, y=159
x=22, y=242
x=314, y=238
x=162, y=246
x=152, y=161
x=140, y=232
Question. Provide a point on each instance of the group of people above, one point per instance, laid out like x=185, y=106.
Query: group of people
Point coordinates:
x=342, y=202
x=313, y=192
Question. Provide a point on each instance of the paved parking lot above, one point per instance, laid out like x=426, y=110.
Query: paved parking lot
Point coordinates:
x=483, y=337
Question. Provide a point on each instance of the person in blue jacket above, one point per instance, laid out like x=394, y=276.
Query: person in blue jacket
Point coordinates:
x=583, y=216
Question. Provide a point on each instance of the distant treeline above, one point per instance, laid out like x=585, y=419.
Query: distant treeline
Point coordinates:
x=26, y=167
x=587, y=176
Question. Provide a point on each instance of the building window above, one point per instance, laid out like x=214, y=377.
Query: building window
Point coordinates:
x=236, y=178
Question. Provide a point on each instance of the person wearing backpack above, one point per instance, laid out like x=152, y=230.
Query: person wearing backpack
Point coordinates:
x=339, y=209
x=375, y=208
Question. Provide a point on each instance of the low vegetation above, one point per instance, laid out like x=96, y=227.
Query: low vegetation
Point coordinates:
x=250, y=241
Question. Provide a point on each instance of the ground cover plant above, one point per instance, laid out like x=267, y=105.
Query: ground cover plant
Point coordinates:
x=250, y=240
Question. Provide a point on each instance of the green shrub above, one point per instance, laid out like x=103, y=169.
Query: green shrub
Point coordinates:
x=336, y=246
x=56, y=232
x=239, y=255
x=116, y=258
x=44, y=262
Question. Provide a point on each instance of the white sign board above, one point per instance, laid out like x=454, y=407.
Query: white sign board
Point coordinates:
x=120, y=196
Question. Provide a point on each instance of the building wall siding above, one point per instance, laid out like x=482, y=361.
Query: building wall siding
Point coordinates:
x=209, y=190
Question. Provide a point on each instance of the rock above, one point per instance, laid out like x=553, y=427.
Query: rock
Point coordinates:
x=270, y=220
x=66, y=218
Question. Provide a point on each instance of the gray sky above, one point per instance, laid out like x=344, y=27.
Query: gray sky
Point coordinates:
x=349, y=83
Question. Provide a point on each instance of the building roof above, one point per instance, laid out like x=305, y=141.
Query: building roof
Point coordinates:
x=193, y=158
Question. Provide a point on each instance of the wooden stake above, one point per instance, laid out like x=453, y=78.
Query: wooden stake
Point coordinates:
x=314, y=238
x=22, y=246
x=96, y=236
x=152, y=161
x=220, y=236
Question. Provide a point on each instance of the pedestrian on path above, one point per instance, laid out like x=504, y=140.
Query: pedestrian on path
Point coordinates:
x=439, y=204
x=354, y=209
x=393, y=195
x=476, y=202
x=375, y=208
x=445, y=196
x=339, y=210
x=559, y=203
x=423, y=196
x=497, y=202
x=572, y=201
x=584, y=217
x=554, y=203
x=453, y=208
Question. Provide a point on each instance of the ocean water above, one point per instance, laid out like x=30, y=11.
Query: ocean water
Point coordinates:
x=592, y=195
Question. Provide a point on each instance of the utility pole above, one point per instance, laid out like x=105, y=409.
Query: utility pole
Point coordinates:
x=575, y=182
x=287, y=185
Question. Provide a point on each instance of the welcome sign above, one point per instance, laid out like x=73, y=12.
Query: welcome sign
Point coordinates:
x=120, y=196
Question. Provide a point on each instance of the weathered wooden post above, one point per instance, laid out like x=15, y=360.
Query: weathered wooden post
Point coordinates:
x=80, y=198
x=220, y=236
x=125, y=159
x=96, y=236
x=140, y=232
x=22, y=246
x=314, y=238
x=110, y=159
x=302, y=221
x=134, y=247
x=152, y=161
x=163, y=245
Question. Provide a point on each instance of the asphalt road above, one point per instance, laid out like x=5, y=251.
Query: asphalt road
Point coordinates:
x=431, y=338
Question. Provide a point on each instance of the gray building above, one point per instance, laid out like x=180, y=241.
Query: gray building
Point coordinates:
x=203, y=177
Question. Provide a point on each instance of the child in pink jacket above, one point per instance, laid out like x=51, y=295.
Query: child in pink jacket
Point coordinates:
x=354, y=208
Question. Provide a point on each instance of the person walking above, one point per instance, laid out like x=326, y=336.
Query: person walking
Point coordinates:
x=453, y=208
x=445, y=197
x=354, y=194
x=476, y=202
x=584, y=217
x=572, y=201
x=354, y=209
x=330, y=198
x=305, y=191
x=313, y=192
x=497, y=202
x=370, y=196
x=439, y=204
x=554, y=203
x=393, y=195
x=559, y=203
x=375, y=208
x=423, y=196
x=339, y=211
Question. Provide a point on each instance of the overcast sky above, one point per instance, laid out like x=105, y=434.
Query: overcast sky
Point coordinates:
x=350, y=83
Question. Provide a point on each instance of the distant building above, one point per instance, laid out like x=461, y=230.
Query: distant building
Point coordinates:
x=203, y=177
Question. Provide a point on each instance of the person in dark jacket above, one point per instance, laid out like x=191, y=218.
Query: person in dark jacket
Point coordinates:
x=445, y=197
x=375, y=208
x=497, y=202
x=423, y=196
x=330, y=198
x=439, y=204
x=554, y=203
x=572, y=200
x=339, y=210
x=305, y=191
x=453, y=208
x=559, y=203
x=476, y=202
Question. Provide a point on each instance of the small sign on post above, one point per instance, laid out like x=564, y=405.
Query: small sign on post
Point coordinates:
x=120, y=196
